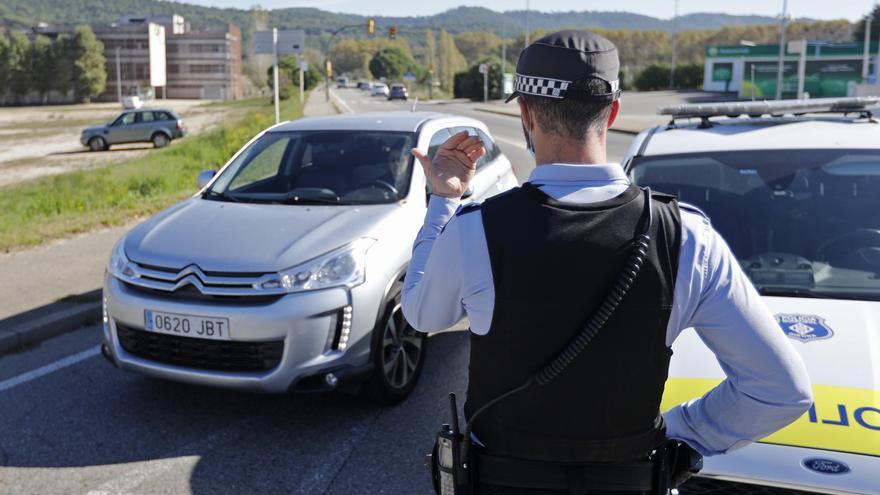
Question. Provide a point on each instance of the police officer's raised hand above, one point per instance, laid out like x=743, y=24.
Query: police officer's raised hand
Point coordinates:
x=454, y=164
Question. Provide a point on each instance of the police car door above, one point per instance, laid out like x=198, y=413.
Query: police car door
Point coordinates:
x=491, y=175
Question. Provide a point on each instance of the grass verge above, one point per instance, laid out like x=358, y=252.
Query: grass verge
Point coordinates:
x=48, y=208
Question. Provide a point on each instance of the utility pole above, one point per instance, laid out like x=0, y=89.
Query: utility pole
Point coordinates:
x=781, y=66
x=674, y=46
x=866, y=58
x=118, y=78
x=503, y=52
x=527, y=24
x=275, y=72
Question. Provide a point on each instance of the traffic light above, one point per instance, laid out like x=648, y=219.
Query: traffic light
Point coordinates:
x=371, y=26
x=329, y=68
x=392, y=32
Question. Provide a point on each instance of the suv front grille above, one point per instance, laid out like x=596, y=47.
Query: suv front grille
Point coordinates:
x=709, y=486
x=218, y=355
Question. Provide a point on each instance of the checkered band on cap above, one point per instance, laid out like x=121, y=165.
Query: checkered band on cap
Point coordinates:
x=551, y=88
x=541, y=86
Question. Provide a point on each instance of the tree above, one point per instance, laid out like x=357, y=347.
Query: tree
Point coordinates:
x=469, y=84
x=348, y=56
x=288, y=76
x=430, y=50
x=43, y=73
x=19, y=64
x=476, y=45
x=89, y=65
x=62, y=81
x=391, y=63
x=450, y=61
x=4, y=65
x=859, y=32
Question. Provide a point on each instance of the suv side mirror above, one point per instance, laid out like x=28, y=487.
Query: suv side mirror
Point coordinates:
x=204, y=178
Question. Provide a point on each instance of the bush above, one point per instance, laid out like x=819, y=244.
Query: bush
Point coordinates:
x=469, y=84
x=689, y=76
x=653, y=77
x=656, y=76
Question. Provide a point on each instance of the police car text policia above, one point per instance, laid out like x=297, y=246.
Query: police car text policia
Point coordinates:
x=576, y=284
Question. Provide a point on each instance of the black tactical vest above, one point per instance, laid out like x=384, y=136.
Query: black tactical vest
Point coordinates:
x=552, y=264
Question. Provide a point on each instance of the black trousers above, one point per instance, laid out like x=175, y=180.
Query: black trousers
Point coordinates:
x=484, y=489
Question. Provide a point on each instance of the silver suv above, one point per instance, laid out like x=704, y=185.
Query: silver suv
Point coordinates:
x=153, y=125
x=284, y=272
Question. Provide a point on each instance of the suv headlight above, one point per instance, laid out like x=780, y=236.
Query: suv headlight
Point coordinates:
x=119, y=266
x=343, y=267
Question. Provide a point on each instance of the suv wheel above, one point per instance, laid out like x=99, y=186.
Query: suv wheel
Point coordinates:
x=160, y=140
x=97, y=144
x=398, y=354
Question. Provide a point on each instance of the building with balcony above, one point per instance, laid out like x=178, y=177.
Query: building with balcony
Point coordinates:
x=205, y=64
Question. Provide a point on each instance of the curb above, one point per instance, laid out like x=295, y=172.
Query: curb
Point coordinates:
x=33, y=327
x=516, y=115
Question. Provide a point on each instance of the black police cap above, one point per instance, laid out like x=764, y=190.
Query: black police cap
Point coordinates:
x=549, y=67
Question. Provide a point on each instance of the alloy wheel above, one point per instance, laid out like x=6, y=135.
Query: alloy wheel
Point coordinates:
x=401, y=349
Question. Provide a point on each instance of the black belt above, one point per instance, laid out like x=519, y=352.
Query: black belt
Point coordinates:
x=573, y=478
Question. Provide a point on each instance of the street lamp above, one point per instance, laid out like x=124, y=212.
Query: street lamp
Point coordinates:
x=781, y=65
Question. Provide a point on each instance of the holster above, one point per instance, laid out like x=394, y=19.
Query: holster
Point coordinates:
x=674, y=463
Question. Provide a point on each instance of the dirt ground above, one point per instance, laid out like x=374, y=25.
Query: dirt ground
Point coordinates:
x=44, y=140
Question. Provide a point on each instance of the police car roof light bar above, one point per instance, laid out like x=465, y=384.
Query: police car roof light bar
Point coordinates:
x=858, y=104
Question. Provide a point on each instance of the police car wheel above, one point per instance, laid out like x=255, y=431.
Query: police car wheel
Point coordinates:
x=398, y=354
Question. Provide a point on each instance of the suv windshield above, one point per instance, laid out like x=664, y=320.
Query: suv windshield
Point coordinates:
x=332, y=167
x=803, y=223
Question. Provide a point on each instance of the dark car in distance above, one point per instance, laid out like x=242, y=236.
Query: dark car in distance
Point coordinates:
x=143, y=125
x=397, y=91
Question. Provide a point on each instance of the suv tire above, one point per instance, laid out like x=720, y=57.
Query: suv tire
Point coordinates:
x=398, y=353
x=97, y=143
x=160, y=140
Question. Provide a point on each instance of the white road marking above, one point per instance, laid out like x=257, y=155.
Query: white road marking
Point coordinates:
x=512, y=142
x=341, y=102
x=49, y=368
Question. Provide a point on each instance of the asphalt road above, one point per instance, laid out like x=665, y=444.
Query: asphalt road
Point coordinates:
x=72, y=423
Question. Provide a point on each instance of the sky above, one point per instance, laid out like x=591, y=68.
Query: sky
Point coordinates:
x=817, y=9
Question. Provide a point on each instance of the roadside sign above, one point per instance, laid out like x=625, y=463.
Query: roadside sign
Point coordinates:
x=484, y=68
x=289, y=41
x=304, y=66
x=409, y=76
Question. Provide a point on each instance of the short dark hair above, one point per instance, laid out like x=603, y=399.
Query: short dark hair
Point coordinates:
x=573, y=118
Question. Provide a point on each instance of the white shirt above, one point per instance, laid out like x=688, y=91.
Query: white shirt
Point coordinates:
x=767, y=386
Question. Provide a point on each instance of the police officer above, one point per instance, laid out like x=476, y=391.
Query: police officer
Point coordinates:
x=529, y=266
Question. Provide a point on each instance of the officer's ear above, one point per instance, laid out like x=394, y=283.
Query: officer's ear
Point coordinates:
x=615, y=108
x=524, y=113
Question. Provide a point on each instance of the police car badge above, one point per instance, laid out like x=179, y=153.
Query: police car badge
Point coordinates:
x=805, y=328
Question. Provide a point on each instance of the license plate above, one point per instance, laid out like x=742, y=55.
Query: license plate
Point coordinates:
x=198, y=327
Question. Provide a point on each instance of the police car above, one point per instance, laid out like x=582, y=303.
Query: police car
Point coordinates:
x=794, y=189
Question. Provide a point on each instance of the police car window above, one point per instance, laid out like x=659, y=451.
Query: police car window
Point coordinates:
x=801, y=222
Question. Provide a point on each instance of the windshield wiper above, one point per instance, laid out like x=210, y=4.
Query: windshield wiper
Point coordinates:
x=211, y=194
x=322, y=200
x=787, y=292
